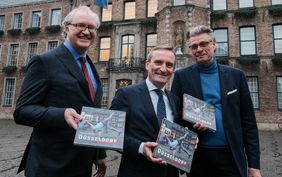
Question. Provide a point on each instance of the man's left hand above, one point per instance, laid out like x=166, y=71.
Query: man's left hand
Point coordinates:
x=102, y=167
x=252, y=172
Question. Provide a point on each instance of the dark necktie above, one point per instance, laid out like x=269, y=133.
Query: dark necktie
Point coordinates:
x=161, y=112
x=87, y=77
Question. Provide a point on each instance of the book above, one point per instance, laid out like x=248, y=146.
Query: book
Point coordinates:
x=198, y=111
x=101, y=128
x=176, y=145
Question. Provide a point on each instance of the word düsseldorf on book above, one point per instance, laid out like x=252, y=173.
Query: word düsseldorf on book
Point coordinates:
x=101, y=128
x=176, y=145
x=198, y=111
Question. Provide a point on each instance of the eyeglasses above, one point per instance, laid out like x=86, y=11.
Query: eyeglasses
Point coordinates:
x=202, y=44
x=82, y=27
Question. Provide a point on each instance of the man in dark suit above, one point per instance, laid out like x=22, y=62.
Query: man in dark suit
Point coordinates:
x=54, y=89
x=221, y=153
x=141, y=104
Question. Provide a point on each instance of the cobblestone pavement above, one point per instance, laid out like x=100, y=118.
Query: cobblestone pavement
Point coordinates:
x=13, y=139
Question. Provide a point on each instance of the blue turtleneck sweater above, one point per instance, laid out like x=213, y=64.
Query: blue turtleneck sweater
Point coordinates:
x=209, y=76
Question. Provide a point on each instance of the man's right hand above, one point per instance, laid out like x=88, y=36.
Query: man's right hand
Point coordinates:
x=72, y=117
x=200, y=127
x=148, y=153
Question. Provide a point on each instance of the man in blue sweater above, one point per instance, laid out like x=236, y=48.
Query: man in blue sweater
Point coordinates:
x=233, y=149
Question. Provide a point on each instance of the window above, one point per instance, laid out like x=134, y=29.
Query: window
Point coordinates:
x=274, y=2
x=152, y=8
x=178, y=2
x=35, y=19
x=151, y=42
x=253, y=87
x=279, y=91
x=31, y=51
x=219, y=5
x=246, y=3
x=105, y=48
x=2, y=22
x=13, y=55
x=247, y=41
x=18, y=19
x=129, y=10
x=123, y=83
x=127, y=45
x=277, y=35
x=52, y=45
x=105, y=86
x=55, y=17
x=9, y=92
x=221, y=36
x=107, y=14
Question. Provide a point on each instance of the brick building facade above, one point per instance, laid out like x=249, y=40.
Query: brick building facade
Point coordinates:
x=248, y=32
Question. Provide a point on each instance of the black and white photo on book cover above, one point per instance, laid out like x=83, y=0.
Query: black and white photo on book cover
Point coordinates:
x=101, y=128
x=176, y=145
x=198, y=111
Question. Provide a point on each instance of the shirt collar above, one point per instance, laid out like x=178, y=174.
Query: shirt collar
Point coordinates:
x=151, y=86
x=72, y=50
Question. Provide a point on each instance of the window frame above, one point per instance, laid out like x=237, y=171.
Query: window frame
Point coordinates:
x=28, y=56
x=254, y=92
x=240, y=41
x=9, y=59
x=121, y=46
x=118, y=81
x=276, y=3
x=227, y=38
x=212, y=5
x=99, y=57
x=146, y=43
x=51, y=16
x=274, y=39
x=50, y=42
x=247, y=6
x=19, y=25
x=103, y=11
x=32, y=17
x=147, y=8
x=124, y=10
x=105, y=87
x=278, y=93
x=4, y=97
x=2, y=24
x=173, y=3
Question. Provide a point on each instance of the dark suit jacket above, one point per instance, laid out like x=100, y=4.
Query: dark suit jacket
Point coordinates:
x=238, y=116
x=141, y=126
x=54, y=82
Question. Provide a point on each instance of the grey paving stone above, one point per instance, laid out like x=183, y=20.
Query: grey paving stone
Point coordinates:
x=13, y=139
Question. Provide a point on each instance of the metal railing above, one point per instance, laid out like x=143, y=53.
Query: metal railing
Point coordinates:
x=133, y=63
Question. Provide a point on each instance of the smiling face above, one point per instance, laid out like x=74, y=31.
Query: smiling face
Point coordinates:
x=204, y=52
x=160, y=67
x=81, y=39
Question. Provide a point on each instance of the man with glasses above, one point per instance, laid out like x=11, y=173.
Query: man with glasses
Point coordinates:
x=233, y=149
x=56, y=86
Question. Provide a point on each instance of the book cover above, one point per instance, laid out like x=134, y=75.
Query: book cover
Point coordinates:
x=176, y=145
x=198, y=111
x=101, y=128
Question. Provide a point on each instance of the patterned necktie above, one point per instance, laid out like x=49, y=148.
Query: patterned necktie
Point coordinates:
x=161, y=112
x=87, y=77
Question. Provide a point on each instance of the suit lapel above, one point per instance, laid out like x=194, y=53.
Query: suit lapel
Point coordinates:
x=148, y=104
x=69, y=62
x=223, y=76
x=194, y=84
